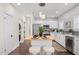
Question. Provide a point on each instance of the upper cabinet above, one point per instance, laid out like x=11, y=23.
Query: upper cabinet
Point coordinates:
x=76, y=23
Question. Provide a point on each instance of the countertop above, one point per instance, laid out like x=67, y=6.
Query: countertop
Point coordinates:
x=40, y=38
x=76, y=37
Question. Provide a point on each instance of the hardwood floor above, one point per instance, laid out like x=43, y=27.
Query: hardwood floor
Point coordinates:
x=23, y=49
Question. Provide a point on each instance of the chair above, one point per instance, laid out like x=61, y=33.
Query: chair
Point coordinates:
x=34, y=50
x=49, y=50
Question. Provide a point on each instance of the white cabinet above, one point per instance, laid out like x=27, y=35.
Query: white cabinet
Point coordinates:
x=76, y=45
x=41, y=43
x=61, y=39
x=76, y=23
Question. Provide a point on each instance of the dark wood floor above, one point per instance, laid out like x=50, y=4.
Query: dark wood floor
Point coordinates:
x=23, y=49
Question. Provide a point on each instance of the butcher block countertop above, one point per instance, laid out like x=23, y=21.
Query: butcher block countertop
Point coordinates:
x=40, y=38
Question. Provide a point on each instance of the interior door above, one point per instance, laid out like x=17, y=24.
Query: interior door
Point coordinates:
x=2, y=48
x=8, y=33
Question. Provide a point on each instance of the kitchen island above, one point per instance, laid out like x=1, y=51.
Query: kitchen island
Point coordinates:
x=40, y=41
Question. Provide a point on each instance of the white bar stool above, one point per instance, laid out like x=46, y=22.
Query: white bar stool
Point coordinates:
x=49, y=50
x=34, y=50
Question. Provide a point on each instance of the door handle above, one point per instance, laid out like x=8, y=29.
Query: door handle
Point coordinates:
x=11, y=35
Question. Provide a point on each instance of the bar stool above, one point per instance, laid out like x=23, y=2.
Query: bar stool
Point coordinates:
x=34, y=50
x=49, y=50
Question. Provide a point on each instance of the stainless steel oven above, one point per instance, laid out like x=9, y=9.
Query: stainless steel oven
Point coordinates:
x=69, y=42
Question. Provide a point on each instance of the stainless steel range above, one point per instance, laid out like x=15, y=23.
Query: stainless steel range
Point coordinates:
x=69, y=42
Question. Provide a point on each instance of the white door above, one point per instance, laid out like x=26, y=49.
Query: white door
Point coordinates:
x=2, y=48
x=8, y=35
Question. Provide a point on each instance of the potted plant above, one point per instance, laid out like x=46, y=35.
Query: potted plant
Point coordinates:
x=41, y=30
x=71, y=31
x=61, y=31
x=57, y=30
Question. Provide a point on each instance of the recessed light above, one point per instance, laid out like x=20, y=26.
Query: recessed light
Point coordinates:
x=56, y=11
x=66, y=3
x=18, y=3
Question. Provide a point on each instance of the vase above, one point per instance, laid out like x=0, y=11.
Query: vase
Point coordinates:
x=40, y=34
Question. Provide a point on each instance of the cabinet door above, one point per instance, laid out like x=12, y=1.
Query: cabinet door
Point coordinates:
x=62, y=37
x=57, y=38
x=76, y=23
x=76, y=47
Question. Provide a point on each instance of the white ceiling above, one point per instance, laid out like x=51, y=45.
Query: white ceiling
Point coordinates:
x=49, y=9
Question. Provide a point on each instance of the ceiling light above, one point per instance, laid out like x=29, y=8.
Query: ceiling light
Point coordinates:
x=56, y=11
x=43, y=16
x=18, y=3
x=66, y=3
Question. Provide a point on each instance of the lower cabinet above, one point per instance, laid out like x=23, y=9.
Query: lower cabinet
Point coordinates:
x=76, y=47
x=61, y=39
